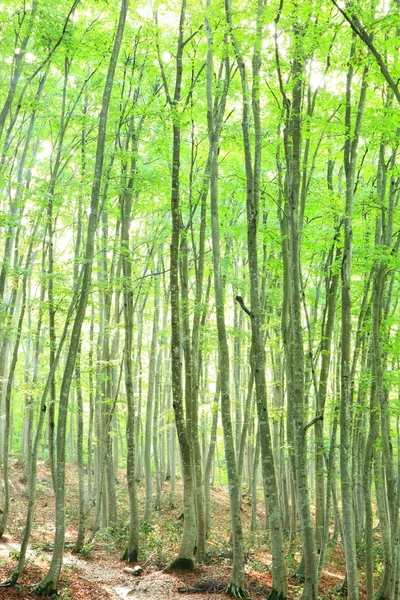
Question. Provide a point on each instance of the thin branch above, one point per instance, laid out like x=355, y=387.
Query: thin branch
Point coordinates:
x=240, y=301
x=311, y=423
x=360, y=31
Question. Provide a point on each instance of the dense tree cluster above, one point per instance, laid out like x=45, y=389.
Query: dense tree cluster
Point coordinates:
x=200, y=232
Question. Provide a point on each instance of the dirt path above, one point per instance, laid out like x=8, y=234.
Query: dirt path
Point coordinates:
x=101, y=577
x=103, y=574
x=106, y=576
x=110, y=577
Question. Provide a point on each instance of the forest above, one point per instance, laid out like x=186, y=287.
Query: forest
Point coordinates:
x=199, y=296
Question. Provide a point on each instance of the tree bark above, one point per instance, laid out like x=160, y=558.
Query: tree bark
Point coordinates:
x=350, y=157
x=49, y=584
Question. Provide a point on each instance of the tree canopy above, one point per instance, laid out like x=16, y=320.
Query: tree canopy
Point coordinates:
x=200, y=230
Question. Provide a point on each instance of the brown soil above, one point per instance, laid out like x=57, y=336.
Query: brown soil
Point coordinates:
x=100, y=576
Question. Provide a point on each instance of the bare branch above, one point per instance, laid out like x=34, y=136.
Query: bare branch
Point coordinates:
x=239, y=299
x=360, y=31
x=311, y=423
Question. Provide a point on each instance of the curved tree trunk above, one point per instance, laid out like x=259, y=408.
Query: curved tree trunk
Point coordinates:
x=185, y=553
x=6, y=504
x=236, y=586
x=49, y=584
x=253, y=173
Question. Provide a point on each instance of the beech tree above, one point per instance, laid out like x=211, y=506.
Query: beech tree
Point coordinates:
x=199, y=279
x=49, y=584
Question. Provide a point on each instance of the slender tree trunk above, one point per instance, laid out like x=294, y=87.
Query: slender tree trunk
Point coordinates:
x=79, y=447
x=297, y=408
x=321, y=519
x=17, y=65
x=236, y=586
x=6, y=504
x=156, y=429
x=256, y=462
x=35, y=448
x=151, y=392
x=350, y=157
x=49, y=584
x=208, y=469
x=131, y=553
x=185, y=554
x=137, y=391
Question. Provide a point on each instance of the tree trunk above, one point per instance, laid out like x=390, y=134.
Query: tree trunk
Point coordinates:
x=80, y=539
x=253, y=173
x=49, y=584
x=350, y=157
x=185, y=553
x=131, y=553
x=151, y=392
x=236, y=586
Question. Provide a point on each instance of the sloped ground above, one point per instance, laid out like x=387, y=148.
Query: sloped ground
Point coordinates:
x=101, y=578
x=99, y=574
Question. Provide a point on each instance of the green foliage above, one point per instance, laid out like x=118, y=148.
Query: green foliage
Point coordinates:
x=152, y=544
x=48, y=151
x=87, y=549
x=64, y=594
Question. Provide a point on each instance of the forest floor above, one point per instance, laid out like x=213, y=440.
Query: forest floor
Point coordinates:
x=97, y=573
